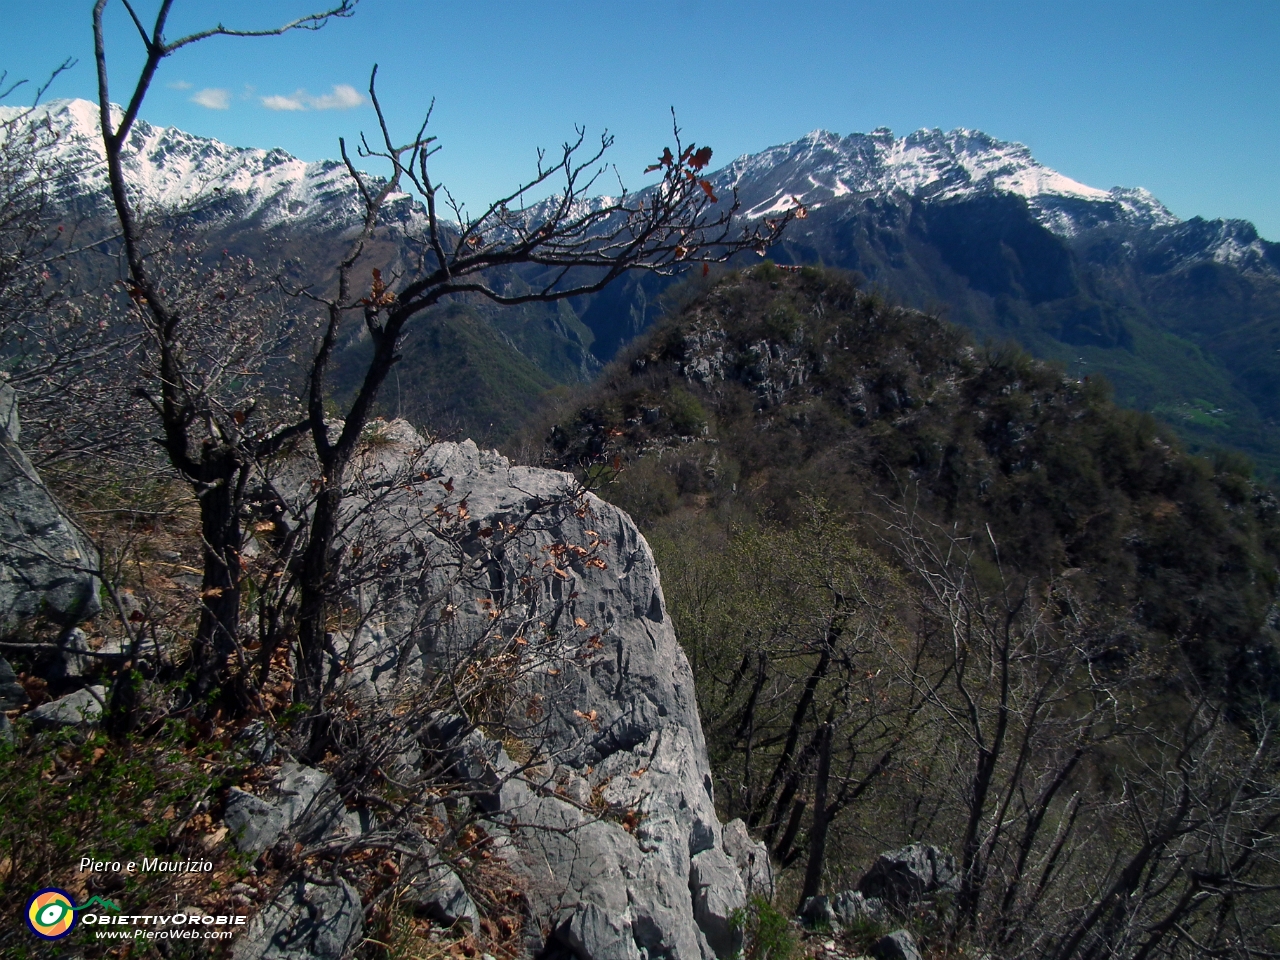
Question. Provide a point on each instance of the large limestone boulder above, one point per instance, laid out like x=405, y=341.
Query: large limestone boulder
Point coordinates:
x=301, y=800
x=322, y=921
x=43, y=560
x=517, y=571
x=899, y=878
x=82, y=708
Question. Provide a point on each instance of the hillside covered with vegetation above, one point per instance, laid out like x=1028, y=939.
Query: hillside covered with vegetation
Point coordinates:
x=774, y=387
x=939, y=592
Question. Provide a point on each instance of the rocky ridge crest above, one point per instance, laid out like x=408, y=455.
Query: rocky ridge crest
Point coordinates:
x=607, y=809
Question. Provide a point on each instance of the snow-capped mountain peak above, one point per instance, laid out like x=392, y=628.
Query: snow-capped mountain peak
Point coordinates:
x=929, y=165
x=167, y=168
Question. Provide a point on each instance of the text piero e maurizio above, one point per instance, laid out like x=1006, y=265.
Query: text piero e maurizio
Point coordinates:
x=148, y=865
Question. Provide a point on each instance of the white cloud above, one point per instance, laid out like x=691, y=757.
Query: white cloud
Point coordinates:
x=179, y=85
x=277, y=102
x=341, y=97
x=213, y=98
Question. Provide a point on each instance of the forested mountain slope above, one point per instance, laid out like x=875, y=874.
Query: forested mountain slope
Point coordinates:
x=771, y=386
x=1182, y=317
x=940, y=593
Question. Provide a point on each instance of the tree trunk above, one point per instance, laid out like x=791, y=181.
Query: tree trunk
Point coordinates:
x=315, y=583
x=747, y=734
x=821, y=818
x=784, y=852
x=217, y=635
x=783, y=765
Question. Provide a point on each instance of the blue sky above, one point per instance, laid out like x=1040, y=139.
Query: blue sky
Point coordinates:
x=1177, y=97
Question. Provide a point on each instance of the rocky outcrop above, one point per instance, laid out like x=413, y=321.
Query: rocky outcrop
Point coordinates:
x=322, y=921
x=901, y=877
x=846, y=909
x=898, y=945
x=43, y=560
x=611, y=819
x=897, y=881
x=82, y=708
x=435, y=890
x=301, y=800
x=751, y=858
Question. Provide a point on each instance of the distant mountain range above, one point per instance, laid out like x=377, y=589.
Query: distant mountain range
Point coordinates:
x=935, y=167
x=1183, y=317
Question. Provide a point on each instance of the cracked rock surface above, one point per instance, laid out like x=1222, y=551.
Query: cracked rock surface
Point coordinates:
x=42, y=557
x=320, y=921
x=642, y=868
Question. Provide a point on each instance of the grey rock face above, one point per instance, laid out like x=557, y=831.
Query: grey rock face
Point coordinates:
x=71, y=661
x=751, y=858
x=850, y=907
x=82, y=708
x=901, y=877
x=41, y=555
x=845, y=909
x=9, y=423
x=254, y=824
x=302, y=801
x=257, y=742
x=816, y=913
x=305, y=920
x=604, y=690
x=608, y=891
x=297, y=790
x=717, y=894
x=595, y=932
x=434, y=889
x=12, y=694
x=899, y=945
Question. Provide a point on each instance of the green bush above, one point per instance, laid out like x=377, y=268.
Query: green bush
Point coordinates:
x=767, y=932
x=686, y=414
x=66, y=794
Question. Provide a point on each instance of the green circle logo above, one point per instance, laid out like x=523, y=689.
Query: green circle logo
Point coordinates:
x=51, y=914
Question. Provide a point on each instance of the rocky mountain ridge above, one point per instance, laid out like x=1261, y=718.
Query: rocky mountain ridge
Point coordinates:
x=1182, y=317
x=173, y=169
x=935, y=166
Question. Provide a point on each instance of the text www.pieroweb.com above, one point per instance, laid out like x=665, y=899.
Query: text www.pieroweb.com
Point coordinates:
x=171, y=927
x=182, y=934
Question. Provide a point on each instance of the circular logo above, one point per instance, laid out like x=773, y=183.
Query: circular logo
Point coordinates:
x=51, y=914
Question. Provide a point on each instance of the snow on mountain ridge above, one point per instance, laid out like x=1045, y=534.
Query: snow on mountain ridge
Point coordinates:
x=169, y=168
x=928, y=164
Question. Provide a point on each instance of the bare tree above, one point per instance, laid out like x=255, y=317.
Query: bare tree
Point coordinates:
x=579, y=242
x=1097, y=811
x=212, y=447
